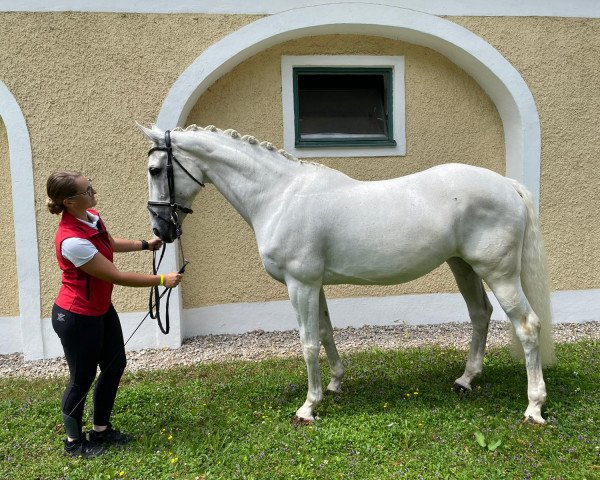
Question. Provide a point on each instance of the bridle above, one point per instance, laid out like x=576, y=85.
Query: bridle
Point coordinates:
x=154, y=301
x=174, y=218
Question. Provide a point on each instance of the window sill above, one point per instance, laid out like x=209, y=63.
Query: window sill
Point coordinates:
x=345, y=150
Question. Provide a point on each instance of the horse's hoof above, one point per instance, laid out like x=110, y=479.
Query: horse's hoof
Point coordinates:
x=460, y=389
x=332, y=392
x=301, y=422
x=534, y=419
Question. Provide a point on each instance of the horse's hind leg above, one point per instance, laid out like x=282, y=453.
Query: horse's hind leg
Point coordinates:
x=510, y=295
x=480, y=311
x=326, y=335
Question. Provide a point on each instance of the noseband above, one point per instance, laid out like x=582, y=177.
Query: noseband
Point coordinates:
x=174, y=219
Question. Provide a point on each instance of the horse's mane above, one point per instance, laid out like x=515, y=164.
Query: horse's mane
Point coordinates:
x=245, y=138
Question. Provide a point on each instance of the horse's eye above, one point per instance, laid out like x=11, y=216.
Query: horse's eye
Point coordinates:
x=154, y=171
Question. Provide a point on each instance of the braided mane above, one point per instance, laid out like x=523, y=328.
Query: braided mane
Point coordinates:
x=246, y=138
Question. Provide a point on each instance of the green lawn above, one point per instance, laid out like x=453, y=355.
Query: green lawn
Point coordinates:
x=397, y=418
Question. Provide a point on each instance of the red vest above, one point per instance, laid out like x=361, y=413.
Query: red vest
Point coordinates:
x=81, y=293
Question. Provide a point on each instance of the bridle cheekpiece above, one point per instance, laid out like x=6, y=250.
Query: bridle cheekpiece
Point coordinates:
x=174, y=219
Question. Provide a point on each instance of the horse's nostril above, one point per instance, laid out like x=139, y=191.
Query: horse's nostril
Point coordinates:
x=155, y=230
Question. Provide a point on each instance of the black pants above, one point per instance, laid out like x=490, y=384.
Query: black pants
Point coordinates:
x=89, y=342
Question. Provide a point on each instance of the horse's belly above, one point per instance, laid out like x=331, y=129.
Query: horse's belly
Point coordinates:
x=369, y=278
x=383, y=264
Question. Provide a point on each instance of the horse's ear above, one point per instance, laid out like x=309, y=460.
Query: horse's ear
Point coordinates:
x=153, y=134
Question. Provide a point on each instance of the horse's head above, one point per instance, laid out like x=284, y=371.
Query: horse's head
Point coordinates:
x=174, y=179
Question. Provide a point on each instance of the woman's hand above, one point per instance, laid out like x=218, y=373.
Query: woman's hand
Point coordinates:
x=172, y=279
x=154, y=244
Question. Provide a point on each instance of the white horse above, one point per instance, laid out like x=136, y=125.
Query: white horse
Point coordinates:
x=316, y=226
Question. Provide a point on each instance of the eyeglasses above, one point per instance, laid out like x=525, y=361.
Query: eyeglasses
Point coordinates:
x=88, y=191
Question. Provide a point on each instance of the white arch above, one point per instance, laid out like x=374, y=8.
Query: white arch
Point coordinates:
x=484, y=63
x=28, y=270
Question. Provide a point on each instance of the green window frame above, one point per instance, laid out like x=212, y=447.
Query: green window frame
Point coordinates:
x=379, y=93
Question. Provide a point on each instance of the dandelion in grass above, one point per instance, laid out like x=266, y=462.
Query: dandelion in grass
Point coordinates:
x=174, y=460
x=170, y=437
x=121, y=473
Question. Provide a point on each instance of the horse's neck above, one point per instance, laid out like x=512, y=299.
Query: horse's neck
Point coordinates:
x=252, y=178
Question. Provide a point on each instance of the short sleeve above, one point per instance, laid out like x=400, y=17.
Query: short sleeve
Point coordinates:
x=78, y=250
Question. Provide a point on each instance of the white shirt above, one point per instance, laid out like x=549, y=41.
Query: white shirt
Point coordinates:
x=79, y=251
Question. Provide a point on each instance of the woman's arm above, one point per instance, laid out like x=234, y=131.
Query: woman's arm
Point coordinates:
x=100, y=267
x=124, y=245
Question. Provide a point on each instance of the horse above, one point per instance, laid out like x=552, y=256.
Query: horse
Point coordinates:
x=316, y=226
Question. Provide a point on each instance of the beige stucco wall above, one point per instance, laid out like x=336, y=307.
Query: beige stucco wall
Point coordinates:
x=448, y=119
x=9, y=303
x=82, y=80
x=559, y=58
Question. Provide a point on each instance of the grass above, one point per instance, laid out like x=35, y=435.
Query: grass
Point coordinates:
x=397, y=418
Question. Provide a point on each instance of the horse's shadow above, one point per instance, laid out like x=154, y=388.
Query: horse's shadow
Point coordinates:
x=501, y=387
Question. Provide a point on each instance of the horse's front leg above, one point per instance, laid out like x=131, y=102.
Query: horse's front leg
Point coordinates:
x=326, y=334
x=305, y=300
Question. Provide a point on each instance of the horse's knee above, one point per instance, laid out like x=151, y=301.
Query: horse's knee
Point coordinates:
x=311, y=350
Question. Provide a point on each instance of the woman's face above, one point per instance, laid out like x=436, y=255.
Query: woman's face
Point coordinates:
x=86, y=195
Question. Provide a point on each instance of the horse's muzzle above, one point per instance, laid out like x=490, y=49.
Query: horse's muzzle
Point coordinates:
x=164, y=228
x=166, y=232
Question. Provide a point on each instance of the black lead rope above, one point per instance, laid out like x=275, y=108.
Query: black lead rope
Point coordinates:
x=124, y=344
x=154, y=300
x=153, y=312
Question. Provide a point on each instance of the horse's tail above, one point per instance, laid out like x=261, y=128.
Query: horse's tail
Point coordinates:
x=534, y=279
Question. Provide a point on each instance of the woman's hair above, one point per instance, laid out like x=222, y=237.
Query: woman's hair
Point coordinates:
x=60, y=185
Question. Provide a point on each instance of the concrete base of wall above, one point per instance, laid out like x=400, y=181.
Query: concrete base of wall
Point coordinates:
x=10, y=340
x=568, y=307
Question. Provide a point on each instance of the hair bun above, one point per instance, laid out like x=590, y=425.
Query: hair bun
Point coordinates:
x=54, y=208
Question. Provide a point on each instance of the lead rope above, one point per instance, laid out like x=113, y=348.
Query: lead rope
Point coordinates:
x=154, y=299
x=152, y=303
x=154, y=306
x=115, y=357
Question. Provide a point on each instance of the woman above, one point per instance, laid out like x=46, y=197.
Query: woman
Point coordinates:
x=83, y=315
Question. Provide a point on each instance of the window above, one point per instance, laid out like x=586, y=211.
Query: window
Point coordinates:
x=343, y=106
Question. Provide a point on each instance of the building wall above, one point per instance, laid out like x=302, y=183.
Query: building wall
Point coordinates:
x=448, y=119
x=9, y=304
x=88, y=77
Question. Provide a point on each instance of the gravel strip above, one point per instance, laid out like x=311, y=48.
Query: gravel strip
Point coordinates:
x=259, y=345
